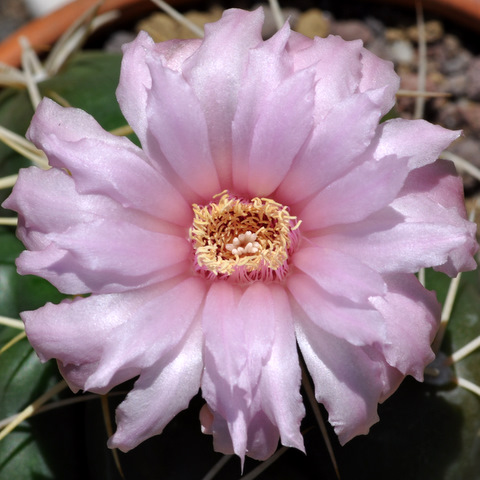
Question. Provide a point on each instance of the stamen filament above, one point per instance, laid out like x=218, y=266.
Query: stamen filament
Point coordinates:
x=249, y=239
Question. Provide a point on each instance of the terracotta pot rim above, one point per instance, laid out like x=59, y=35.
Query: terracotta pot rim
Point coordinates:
x=45, y=31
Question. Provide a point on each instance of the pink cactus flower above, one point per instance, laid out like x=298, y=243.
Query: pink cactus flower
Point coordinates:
x=266, y=208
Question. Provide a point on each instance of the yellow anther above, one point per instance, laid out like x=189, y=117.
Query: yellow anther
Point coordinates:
x=231, y=233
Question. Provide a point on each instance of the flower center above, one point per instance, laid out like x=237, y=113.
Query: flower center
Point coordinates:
x=244, y=240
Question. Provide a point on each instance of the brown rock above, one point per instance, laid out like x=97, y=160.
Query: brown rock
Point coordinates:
x=395, y=34
x=433, y=32
x=451, y=116
x=313, y=23
x=471, y=114
x=455, y=84
x=473, y=80
x=352, y=30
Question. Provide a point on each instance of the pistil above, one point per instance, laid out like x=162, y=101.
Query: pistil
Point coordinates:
x=245, y=240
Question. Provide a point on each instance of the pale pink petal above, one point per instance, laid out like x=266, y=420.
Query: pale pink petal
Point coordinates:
x=271, y=55
x=339, y=273
x=261, y=434
x=239, y=329
x=225, y=356
x=216, y=73
x=390, y=378
x=277, y=404
x=298, y=42
x=338, y=70
x=436, y=192
x=411, y=315
x=278, y=110
x=88, y=243
x=324, y=158
x=135, y=79
x=357, y=324
x=416, y=231
x=376, y=74
x=279, y=385
x=183, y=144
x=162, y=391
x=273, y=402
x=438, y=183
x=174, y=52
x=282, y=127
x=388, y=244
x=363, y=191
x=134, y=83
x=103, y=340
x=347, y=381
x=419, y=141
x=370, y=73
x=103, y=163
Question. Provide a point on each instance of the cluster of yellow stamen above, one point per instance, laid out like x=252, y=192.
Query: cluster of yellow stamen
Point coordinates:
x=245, y=239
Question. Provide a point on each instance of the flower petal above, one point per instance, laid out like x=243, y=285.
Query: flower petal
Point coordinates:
x=363, y=191
x=436, y=192
x=274, y=403
x=184, y=144
x=419, y=141
x=338, y=71
x=281, y=375
x=135, y=79
x=357, y=324
x=88, y=243
x=340, y=274
x=376, y=74
x=350, y=395
x=281, y=130
x=239, y=332
x=216, y=73
x=277, y=108
x=410, y=334
x=416, y=231
x=103, y=163
x=120, y=334
x=324, y=158
x=162, y=391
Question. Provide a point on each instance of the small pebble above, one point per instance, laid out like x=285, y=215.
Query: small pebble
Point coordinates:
x=313, y=23
x=455, y=84
x=394, y=34
x=473, y=80
x=450, y=116
x=471, y=114
x=433, y=31
x=352, y=30
x=457, y=64
x=401, y=52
